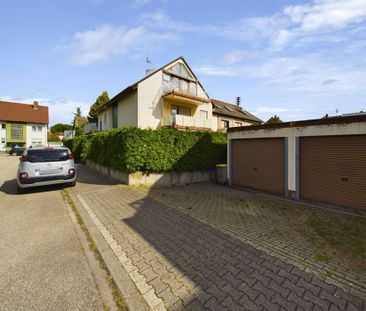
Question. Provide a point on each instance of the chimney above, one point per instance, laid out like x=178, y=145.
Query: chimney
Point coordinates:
x=35, y=105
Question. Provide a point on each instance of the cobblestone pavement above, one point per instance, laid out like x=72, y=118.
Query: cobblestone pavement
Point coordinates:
x=180, y=263
x=272, y=224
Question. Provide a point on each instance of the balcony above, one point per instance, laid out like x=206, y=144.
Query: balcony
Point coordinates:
x=184, y=122
x=185, y=98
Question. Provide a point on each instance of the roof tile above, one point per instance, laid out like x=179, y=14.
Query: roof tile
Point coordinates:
x=16, y=112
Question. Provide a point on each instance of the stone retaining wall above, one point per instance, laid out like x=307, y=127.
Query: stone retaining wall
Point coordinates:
x=158, y=179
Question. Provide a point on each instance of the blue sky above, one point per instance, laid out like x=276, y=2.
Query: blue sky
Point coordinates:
x=296, y=59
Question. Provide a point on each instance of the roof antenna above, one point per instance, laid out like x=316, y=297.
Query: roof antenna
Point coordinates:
x=238, y=100
x=149, y=68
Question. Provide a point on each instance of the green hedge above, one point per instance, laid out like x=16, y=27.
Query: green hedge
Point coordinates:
x=79, y=146
x=132, y=149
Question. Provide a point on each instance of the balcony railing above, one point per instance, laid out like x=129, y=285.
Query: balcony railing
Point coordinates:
x=189, y=122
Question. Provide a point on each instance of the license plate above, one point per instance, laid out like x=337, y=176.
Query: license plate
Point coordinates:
x=49, y=171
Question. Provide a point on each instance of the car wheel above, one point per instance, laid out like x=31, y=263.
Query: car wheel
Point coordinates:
x=20, y=190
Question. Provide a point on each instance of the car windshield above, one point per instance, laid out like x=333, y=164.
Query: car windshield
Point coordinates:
x=45, y=155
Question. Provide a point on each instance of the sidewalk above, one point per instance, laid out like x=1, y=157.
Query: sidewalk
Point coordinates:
x=177, y=262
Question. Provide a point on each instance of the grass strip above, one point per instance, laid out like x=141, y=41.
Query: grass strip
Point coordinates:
x=117, y=296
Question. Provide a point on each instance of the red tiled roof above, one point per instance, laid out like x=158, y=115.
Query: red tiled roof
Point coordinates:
x=16, y=112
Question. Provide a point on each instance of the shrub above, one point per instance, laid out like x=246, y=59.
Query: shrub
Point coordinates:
x=132, y=149
x=79, y=147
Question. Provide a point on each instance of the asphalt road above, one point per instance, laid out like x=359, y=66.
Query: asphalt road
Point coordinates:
x=42, y=263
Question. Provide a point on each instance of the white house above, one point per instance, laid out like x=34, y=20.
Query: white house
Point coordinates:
x=171, y=96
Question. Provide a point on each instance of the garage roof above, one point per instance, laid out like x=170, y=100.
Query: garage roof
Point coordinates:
x=323, y=121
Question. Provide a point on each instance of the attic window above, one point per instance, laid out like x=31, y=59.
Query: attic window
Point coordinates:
x=181, y=70
x=228, y=108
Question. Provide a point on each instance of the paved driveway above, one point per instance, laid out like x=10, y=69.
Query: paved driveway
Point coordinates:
x=42, y=264
x=178, y=262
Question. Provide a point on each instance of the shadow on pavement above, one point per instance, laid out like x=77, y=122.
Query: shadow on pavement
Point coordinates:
x=9, y=187
x=86, y=175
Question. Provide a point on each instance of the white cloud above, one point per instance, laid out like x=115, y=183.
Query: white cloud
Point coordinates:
x=160, y=20
x=215, y=70
x=236, y=56
x=108, y=41
x=327, y=13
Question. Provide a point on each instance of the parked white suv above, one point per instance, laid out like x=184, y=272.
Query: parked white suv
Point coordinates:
x=45, y=166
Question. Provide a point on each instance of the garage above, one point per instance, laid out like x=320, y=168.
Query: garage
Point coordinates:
x=259, y=164
x=333, y=170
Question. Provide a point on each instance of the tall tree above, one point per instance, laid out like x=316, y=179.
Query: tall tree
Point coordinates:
x=101, y=100
x=274, y=120
x=60, y=128
x=79, y=122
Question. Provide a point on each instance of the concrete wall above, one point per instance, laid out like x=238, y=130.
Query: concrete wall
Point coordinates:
x=292, y=135
x=36, y=137
x=163, y=179
x=127, y=110
x=149, y=95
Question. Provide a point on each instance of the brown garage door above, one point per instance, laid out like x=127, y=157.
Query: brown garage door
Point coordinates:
x=259, y=164
x=333, y=170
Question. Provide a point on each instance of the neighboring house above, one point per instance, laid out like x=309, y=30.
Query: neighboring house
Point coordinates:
x=22, y=124
x=229, y=115
x=171, y=96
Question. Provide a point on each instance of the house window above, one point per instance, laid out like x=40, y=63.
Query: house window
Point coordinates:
x=3, y=140
x=184, y=86
x=192, y=88
x=2, y=125
x=181, y=110
x=175, y=84
x=203, y=114
x=238, y=124
x=179, y=84
x=181, y=70
x=16, y=132
x=34, y=128
x=100, y=125
x=225, y=124
x=115, y=116
x=39, y=128
x=166, y=82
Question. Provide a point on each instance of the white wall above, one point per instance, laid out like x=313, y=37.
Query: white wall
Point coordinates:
x=106, y=117
x=37, y=136
x=2, y=137
x=291, y=134
x=149, y=95
x=127, y=110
